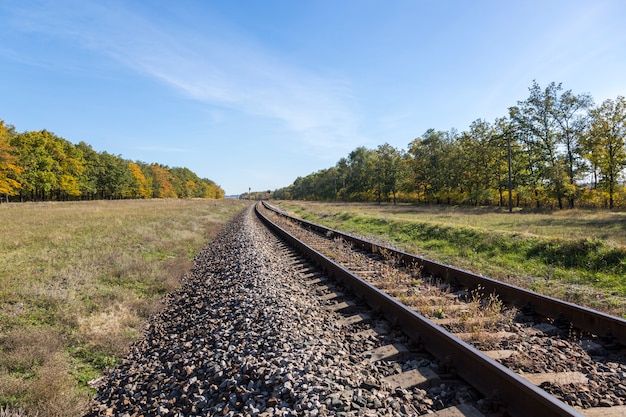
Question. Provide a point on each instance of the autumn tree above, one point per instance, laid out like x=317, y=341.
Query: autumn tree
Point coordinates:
x=211, y=190
x=9, y=171
x=38, y=165
x=140, y=187
x=39, y=175
x=71, y=173
x=187, y=184
x=162, y=186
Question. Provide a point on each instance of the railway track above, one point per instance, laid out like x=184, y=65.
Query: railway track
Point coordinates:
x=395, y=370
x=558, y=349
x=257, y=330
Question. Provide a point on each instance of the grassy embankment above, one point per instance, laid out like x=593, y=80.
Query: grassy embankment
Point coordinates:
x=576, y=255
x=77, y=283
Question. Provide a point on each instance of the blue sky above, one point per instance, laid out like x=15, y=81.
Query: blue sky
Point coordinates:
x=253, y=94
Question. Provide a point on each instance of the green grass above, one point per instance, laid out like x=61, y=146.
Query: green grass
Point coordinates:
x=77, y=283
x=575, y=255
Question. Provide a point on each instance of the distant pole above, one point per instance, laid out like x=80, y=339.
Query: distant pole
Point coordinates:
x=508, y=142
x=378, y=171
x=249, y=193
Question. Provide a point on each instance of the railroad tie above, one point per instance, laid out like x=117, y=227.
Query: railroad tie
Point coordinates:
x=461, y=410
x=498, y=355
x=386, y=352
x=350, y=320
x=344, y=305
x=331, y=296
x=318, y=280
x=619, y=411
x=373, y=332
x=311, y=277
x=561, y=378
x=420, y=378
x=469, y=336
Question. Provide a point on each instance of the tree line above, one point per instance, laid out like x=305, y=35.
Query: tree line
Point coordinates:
x=40, y=166
x=553, y=149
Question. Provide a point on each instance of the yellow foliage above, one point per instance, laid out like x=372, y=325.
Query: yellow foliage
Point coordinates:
x=70, y=185
x=143, y=189
x=8, y=169
x=163, y=178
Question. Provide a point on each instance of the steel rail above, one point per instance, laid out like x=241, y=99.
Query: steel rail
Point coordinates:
x=518, y=396
x=590, y=320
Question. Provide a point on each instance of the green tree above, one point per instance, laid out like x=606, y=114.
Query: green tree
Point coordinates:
x=479, y=157
x=303, y=188
x=605, y=143
x=361, y=174
x=187, y=184
x=52, y=166
x=506, y=138
x=433, y=167
x=40, y=169
x=548, y=120
x=388, y=168
x=93, y=168
x=571, y=114
x=343, y=170
x=72, y=169
x=326, y=181
x=114, y=178
x=284, y=193
x=535, y=116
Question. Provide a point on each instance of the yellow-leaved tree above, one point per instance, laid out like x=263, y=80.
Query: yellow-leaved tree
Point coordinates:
x=9, y=171
x=141, y=187
x=163, y=187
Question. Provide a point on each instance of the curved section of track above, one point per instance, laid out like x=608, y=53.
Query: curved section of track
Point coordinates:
x=520, y=398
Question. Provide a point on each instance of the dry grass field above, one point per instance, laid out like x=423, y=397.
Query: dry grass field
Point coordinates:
x=78, y=281
x=576, y=255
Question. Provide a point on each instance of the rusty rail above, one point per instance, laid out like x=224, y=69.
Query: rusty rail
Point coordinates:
x=592, y=321
x=518, y=396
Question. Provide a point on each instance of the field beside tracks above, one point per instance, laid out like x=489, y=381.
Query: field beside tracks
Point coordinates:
x=78, y=281
x=576, y=255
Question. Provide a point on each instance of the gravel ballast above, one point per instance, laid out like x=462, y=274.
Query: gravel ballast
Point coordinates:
x=244, y=336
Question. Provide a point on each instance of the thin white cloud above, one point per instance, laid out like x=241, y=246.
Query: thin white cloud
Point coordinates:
x=228, y=71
